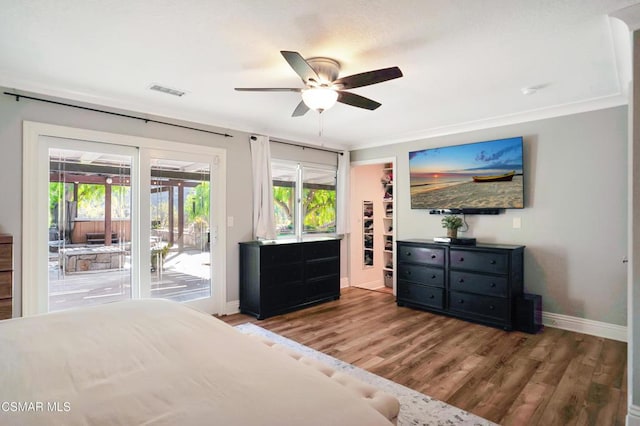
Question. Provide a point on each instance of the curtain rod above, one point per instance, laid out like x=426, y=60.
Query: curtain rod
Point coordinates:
x=146, y=120
x=253, y=138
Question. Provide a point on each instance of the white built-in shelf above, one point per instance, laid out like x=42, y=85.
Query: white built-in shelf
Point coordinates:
x=387, y=216
x=368, y=232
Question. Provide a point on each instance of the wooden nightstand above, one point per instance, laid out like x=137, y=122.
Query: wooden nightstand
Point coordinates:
x=6, y=276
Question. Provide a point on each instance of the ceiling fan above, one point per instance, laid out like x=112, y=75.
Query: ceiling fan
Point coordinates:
x=323, y=88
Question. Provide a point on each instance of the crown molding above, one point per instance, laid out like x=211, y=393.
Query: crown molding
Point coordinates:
x=506, y=120
x=630, y=15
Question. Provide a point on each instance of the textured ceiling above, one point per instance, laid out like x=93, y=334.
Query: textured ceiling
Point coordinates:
x=464, y=62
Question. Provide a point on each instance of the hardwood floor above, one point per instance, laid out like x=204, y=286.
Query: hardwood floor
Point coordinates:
x=555, y=377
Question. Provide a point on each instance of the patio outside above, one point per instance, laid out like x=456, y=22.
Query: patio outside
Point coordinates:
x=182, y=276
x=90, y=230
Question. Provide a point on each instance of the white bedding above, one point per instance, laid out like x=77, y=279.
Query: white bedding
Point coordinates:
x=156, y=362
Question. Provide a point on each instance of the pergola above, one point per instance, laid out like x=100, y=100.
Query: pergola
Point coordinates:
x=162, y=180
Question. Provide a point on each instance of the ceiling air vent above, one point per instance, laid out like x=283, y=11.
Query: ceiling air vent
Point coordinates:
x=167, y=90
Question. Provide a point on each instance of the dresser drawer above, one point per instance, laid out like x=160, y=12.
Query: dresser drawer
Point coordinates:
x=323, y=287
x=5, y=285
x=5, y=309
x=493, y=307
x=6, y=257
x=279, y=254
x=421, y=274
x=321, y=250
x=421, y=294
x=427, y=255
x=492, y=262
x=477, y=283
x=321, y=268
x=283, y=296
x=281, y=275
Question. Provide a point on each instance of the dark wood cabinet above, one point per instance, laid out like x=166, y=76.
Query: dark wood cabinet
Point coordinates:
x=6, y=276
x=478, y=283
x=281, y=277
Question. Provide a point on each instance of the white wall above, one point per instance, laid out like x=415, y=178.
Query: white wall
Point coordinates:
x=574, y=223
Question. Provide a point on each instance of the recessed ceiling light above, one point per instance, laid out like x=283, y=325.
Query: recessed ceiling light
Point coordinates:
x=529, y=90
x=167, y=90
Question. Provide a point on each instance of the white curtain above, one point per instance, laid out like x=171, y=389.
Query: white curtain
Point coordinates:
x=344, y=169
x=263, y=220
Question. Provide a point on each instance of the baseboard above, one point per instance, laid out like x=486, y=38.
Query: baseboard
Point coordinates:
x=586, y=326
x=371, y=285
x=633, y=416
x=344, y=282
x=232, y=307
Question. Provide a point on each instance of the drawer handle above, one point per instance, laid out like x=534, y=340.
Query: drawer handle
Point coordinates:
x=491, y=307
x=433, y=277
x=408, y=273
x=462, y=259
x=461, y=280
x=493, y=262
x=493, y=285
x=408, y=254
x=461, y=301
x=433, y=256
x=432, y=297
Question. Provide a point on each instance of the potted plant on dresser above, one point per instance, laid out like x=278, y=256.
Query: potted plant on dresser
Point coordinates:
x=452, y=223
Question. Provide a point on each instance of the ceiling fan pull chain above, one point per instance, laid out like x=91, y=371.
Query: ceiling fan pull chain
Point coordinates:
x=320, y=124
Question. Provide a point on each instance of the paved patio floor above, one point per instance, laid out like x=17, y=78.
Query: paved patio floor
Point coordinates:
x=185, y=276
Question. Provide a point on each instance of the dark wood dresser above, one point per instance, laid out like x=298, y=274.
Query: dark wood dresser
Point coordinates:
x=478, y=283
x=281, y=277
x=6, y=276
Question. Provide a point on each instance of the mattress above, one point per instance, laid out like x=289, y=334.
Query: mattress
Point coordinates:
x=157, y=362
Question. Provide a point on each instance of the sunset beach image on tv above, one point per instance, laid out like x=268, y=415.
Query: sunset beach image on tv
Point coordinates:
x=473, y=176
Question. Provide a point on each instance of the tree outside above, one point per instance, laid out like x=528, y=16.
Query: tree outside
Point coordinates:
x=319, y=209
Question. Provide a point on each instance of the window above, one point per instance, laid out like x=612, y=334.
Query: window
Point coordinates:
x=285, y=178
x=304, y=198
x=319, y=200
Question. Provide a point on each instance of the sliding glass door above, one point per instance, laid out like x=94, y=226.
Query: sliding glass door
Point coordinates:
x=89, y=223
x=110, y=217
x=180, y=227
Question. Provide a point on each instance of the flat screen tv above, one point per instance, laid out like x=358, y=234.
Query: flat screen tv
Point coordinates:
x=474, y=176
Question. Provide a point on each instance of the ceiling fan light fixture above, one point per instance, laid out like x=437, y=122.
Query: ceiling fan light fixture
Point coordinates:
x=319, y=98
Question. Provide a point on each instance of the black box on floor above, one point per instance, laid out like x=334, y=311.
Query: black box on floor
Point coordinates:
x=528, y=313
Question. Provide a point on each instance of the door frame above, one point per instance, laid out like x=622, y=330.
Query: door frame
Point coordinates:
x=34, y=202
x=393, y=160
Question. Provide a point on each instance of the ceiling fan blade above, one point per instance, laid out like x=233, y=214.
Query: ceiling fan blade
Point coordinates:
x=300, y=66
x=300, y=110
x=266, y=89
x=357, y=100
x=367, y=78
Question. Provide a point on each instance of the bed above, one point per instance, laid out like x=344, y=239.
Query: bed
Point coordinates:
x=157, y=362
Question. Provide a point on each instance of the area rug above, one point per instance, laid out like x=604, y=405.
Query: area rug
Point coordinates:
x=415, y=408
